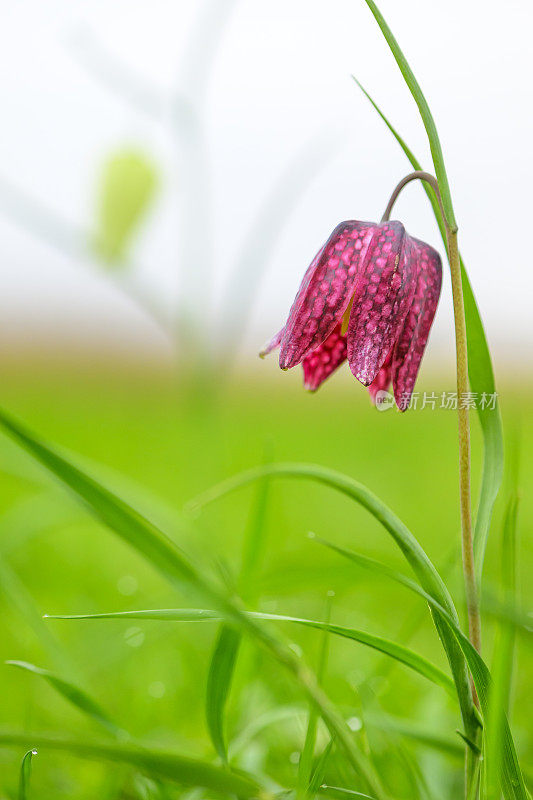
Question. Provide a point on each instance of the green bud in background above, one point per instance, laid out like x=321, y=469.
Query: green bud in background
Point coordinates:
x=126, y=188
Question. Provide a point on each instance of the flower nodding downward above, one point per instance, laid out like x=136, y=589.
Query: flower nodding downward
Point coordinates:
x=369, y=297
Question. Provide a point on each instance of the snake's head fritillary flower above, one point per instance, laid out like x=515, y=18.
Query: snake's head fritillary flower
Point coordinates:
x=369, y=296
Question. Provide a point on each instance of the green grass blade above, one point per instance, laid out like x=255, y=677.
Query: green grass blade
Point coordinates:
x=182, y=770
x=73, y=694
x=305, y=764
x=159, y=614
x=423, y=107
x=480, y=374
x=513, y=786
x=338, y=793
x=219, y=680
x=174, y=565
x=223, y=660
x=317, y=778
x=402, y=654
x=502, y=668
x=25, y=772
x=421, y=565
x=481, y=377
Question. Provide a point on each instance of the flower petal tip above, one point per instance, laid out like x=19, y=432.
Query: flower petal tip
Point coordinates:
x=271, y=344
x=363, y=376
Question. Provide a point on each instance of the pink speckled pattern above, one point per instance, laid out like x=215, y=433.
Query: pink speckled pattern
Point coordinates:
x=325, y=291
x=383, y=379
x=393, y=282
x=320, y=363
x=412, y=340
x=382, y=298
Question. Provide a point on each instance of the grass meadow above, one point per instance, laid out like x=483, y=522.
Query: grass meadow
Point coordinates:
x=158, y=440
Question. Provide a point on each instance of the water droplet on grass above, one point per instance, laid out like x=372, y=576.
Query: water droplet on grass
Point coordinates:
x=157, y=689
x=134, y=637
x=127, y=585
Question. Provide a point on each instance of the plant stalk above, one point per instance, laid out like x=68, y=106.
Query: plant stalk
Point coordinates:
x=472, y=599
x=461, y=352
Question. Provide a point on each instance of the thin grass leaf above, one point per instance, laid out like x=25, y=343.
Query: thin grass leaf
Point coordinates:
x=225, y=652
x=480, y=374
x=469, y=743
x=219, y=681
x=513, y=786
x=473, y=792
x=338, y=793
x=182, y=770
x=305, y=764
x=402, y=654
x=321, y=763
x=423, y=107
x=174, y=565
x=25, y=773
x=502, y=668
x=421, y=565
x=74, y=695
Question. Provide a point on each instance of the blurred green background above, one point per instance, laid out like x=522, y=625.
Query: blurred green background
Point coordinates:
x=160, y=438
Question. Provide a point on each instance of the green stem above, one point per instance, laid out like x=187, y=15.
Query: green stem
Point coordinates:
x=472, y=598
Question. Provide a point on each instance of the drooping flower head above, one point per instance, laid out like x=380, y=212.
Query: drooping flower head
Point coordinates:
x=369, y=296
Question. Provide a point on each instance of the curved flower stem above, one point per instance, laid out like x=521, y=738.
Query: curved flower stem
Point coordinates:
x=472, y=599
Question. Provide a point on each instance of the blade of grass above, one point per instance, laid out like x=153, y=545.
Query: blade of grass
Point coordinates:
x=320, y=766
x=480, y=373
x=502, y=668
x=74, y=695
x=223, y=660
x=425, y=112
x=174, y=565
x=397, y=651
x=169, y=766
x=219, y=680
x=513, y=786
x=338, y=793
x=25, y=772
x=305, y=764
x=421, y=565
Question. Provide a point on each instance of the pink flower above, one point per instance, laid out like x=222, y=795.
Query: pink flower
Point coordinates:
x=369, y=296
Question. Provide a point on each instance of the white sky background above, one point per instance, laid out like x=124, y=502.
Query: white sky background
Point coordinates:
x=281, y=80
